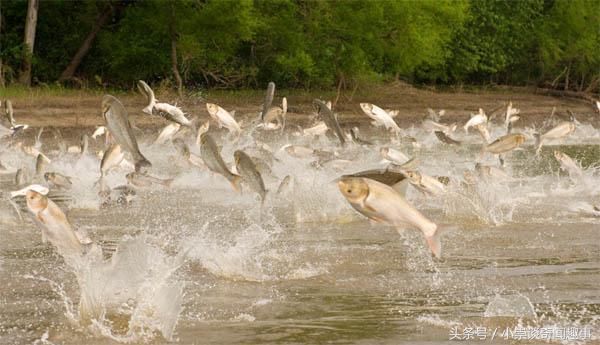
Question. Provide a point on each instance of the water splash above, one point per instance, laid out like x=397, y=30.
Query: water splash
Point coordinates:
x=131, y=297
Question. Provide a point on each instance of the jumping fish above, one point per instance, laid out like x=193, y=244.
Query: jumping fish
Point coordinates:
x=562, y=130
x=55, y=225
x=357, y=139
x=213, y=160
x=144, y=180
x=14, y=126
x=118, y=125
x=111, y=159
x=285, y=185
x=505, y=143
x=147, y=91
x=568, y=164
x=425, y=183
x=393, y=155
x=490, y=172
x=250, y=174
x=383, y=204
x=58, y=180
x=21, y=177
x=172, y=113
x=380, y=117
x=184, y=150
x=168, y=111
x=511, y=115
x=268, y=100
x=275, y=116
x=201, y=130
x=84, y=144
x=327, y=115
x=40, y=165
x=443, y=137
x=476, y=119
x=223, y=118
x=484, y=133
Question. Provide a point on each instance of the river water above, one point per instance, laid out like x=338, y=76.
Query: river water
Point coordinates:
x=201, y=264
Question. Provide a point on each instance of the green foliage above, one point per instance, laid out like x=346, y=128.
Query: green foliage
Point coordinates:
x=305, y=43
x=570, y=38
x=495, y=38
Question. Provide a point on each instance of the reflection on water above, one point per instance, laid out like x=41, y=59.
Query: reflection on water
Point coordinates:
x=198, y=263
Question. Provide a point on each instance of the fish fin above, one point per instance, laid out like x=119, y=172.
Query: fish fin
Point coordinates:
x=401, y=187
x=371, y=209
x=434, y=245
x=236, y=183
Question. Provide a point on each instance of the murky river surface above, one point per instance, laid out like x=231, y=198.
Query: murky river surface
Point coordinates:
x=204, y=265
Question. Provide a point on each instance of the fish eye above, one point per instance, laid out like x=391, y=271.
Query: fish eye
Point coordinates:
x=349, y=190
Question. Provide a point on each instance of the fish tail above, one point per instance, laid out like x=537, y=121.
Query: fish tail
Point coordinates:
x=433, y=241
x=236, y=181
x=142, y=163
x=434, y=245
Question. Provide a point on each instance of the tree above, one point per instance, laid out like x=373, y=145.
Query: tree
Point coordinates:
x=569, y=41
x=69, y=71
x=173, y=36
x=29, y=41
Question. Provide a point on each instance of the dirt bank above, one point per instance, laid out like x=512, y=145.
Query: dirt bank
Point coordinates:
x=82, y=108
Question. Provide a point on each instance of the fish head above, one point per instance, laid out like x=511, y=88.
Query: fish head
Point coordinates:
x=413, y=176
x=204, y=127
x=107, y=102
x=212, y=108
x=558, y=155
x=36, y=202
x=366, y=107
x=130, y=176
x=48, y=176
x=354, y=189
x=291, y=149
